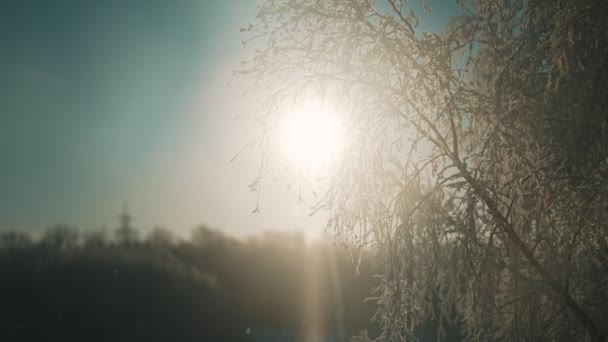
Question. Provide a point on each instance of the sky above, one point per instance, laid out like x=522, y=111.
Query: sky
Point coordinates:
x=107, y=102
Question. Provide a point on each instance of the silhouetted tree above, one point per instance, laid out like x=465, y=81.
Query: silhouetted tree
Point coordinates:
x=205, y=237
x=476, y=159
x=160, y=237
x=60, y=237
x=14, y=239
x=96, y=238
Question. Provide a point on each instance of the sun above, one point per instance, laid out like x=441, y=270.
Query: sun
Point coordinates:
x=311, y=136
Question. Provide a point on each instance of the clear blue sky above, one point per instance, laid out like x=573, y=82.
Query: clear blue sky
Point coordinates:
x=109, y=101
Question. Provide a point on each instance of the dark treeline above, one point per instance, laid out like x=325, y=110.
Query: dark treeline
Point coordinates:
x=89, y=286
x=69, y=285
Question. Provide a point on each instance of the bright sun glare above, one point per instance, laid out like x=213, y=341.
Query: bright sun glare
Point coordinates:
x=312, y=136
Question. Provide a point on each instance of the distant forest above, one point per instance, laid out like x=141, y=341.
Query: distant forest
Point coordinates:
x=69, y=285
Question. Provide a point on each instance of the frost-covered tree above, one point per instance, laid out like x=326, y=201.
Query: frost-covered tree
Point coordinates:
x=476, y=160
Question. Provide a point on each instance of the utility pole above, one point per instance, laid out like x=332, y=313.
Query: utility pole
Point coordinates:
x=125, y=233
